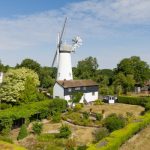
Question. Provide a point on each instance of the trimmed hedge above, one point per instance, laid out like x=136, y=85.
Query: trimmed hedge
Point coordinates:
x=142, y=101
x=25, y=111
x=118, y=137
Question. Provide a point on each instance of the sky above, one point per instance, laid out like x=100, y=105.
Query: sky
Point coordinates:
x=110, y=29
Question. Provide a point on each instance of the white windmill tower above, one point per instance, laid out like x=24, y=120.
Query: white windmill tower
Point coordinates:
x=63, y=56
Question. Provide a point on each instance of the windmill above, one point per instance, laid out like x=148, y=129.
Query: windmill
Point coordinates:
x=63, y=55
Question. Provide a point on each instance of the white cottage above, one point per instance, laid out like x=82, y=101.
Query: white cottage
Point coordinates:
x=65, y=88
x=1, y=77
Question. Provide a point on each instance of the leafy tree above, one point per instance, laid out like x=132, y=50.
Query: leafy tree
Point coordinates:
x=31, y=64
x=47, y=77
x=15, y=82
x=86, y=69
x=23, y=132
x=136, y=67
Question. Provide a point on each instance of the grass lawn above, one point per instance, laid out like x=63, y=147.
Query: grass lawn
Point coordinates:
x=115, y=108
x=139, y=141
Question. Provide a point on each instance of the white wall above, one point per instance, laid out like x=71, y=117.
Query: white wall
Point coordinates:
x=1, y=77
x=58, y=91
x=89, y=97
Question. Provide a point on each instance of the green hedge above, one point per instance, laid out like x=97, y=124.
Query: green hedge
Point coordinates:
x=25, y=111
x=142, y=101
x=118, y=137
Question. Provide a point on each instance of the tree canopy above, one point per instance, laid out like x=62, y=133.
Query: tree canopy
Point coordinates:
x=15, y=82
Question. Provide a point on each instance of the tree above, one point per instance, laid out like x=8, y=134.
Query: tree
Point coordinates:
x=15, y=82
x=136, y=67
x=86, y=69
x=31, y=64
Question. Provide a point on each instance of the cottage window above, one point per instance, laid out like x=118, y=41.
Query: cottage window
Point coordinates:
x=69, y=89
x=93, y=93
x=77, y=88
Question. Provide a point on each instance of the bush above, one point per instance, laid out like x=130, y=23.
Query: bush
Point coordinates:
x=23, y=132
x=114, y=122
x=70, y=144
x=5, y=106
x=6, y=139
x=99, y=116
x=98, y=102
x=86, y=115
x=56, y=117
x=65, y=131
x=83, y=147
x=78, y=107
x=37, y=127
x=100, y=134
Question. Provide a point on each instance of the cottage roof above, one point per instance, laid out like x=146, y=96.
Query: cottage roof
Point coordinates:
x=76, y=83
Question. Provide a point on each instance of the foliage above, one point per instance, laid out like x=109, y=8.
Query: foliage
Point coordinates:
x=14, y=84
x=5, y=106
x=100, y=134
x=37, y=127
x=64, y=131
x=23, y=132
x=76, y=97
x=27, y=111
x=142, y=101
x=99, y=116
x=6, y=139
x=70, y=144
x=114, y=122
x=83, y=147
x=86, y=69
x=118, y=137
x=56, y=117
x=78, y=107
x=86, y=115
x=136, y=67
x=98, y=102
x=30, y=64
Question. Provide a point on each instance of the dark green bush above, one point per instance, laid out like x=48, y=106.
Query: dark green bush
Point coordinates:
x=114, y=122
x=100, y=134
x=86, y=115
x=23, y=132
x=64, y=131
x=99, y=116
x=37, y=127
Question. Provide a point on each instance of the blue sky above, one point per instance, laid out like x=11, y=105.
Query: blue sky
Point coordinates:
x=111, y=29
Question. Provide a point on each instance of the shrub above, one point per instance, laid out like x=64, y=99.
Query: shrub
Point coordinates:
x=64, y=131
x=100, y=134
x=86, y=115
x=70, y=144
x=98, y=102
x=5, y=106
x=99, y=116
x=83, y=147
x=114, y=122
x=56, y=117
x=37, y=127
x=147, y=106
x=23, y=132
x=78, y=107
x=6, y=139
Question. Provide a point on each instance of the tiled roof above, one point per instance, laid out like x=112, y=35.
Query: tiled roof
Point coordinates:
x=76, y=83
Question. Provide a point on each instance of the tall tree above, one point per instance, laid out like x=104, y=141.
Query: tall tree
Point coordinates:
x=86, y=69
x=31, y=64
